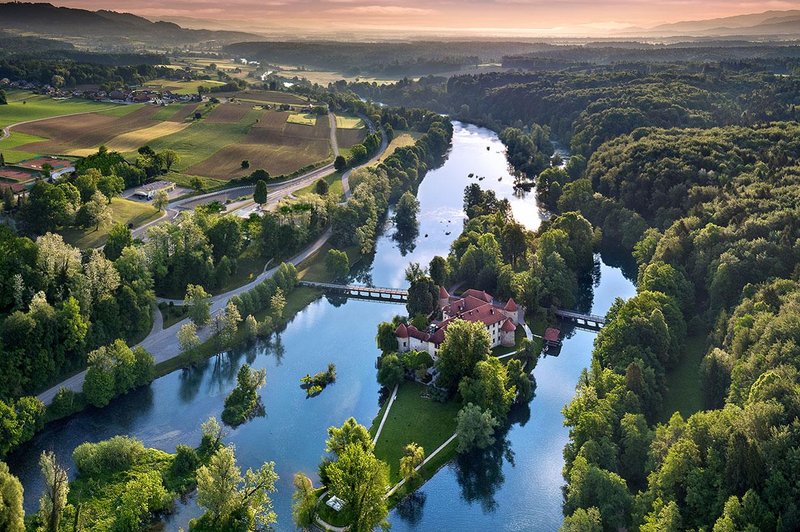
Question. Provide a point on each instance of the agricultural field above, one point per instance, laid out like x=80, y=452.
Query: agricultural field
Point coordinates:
x=401, y=139
x=213, y=146
x=23, y=106
x=269, y=97
x=350, y=130
x=182, y=87
x=271, y=143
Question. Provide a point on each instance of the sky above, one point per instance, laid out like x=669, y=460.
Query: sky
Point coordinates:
x=488, y=17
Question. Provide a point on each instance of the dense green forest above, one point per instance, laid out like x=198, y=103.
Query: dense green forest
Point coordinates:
x=691, y=169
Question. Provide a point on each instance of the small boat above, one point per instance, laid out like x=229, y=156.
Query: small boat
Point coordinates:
x=499, y=178
x=480, y=179
x=447, y=233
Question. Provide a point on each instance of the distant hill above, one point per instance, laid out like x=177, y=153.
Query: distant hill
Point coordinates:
x=48, y=20
x=767, y=23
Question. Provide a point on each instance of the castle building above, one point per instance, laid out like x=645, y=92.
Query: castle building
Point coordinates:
x=500, y=320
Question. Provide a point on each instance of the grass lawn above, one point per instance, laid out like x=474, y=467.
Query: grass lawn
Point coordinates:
x=23, y=106
x=304, y=119
x=413, y=418
x=684, y=392
x=249, y=265
x=335, y=188
x=349, y=122
x=185, y=180
x=123, y=211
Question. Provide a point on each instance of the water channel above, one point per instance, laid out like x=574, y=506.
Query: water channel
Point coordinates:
x=514, y=486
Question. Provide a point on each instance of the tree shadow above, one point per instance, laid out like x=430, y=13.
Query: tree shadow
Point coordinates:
x=410, y=509
x=480, y=472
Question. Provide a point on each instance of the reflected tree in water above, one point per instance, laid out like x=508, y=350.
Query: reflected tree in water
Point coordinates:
x=411, y=507
x=480, y=472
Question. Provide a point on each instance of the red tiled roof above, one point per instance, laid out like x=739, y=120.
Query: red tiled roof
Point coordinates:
x=464, y=305
x=511, y=306
x=551, y=334
x=508, y=326
x=488, y=314
x=401, y=331
x=480, y=294
x=443, y=293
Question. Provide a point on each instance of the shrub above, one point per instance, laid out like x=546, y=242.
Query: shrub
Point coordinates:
x=116, y=454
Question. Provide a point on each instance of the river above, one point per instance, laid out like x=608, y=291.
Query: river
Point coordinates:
x=514, y=486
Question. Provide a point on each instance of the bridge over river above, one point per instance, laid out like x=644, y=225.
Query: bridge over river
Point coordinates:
x=397, y=295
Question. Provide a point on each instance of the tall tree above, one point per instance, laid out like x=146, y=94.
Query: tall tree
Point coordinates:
x=413, y=456
x=199, y=303
x=304, y=502
x=12, y=514
x=56, y=487
x=465, y=344
x=361, y=480
x=260, y=194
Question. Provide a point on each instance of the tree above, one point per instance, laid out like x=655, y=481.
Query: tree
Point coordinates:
x=56, y=487
x=405, y=216
x=111, y=186
x=94, y=212
x=199, y=303
x=142, y=495
x=423, y=296
x=230, y=498
x=361, y=480
x=391, y=371
x=12, y=514
x=439, y=270
x=489, y=388
x=413, y=456
x=243, y=400
x=160, y=200
x=276, y=304
x=337, y=263
x=170, y=158
x=187, y=336
x=465, y=344
x=250, y=327
x=99, y=386
x=386, y=339
x=583, y=520
x=340, y=163
x=259, y=175
x=245, y=164
x=475, y=428
x=304, y=502
x=260, y=194
x=227, y=324
x=3, y=101
x=350, y=433
x=119, y=237
x=321, y=187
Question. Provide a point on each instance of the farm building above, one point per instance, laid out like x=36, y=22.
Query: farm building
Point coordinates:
x=500, y=320
x=149, y=190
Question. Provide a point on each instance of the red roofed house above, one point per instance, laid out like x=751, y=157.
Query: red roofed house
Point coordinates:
x=500, y=320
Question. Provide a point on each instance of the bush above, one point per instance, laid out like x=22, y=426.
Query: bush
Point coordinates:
x=109, y=456
x=63, y=404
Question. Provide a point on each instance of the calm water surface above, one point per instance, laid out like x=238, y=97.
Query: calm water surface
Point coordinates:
x=514, y=486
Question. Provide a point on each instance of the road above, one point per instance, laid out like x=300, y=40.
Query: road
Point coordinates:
x=163, y=343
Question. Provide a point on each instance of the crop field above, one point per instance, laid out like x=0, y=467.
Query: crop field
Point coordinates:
x=268, y=97
x=304, y=119
x=133, y=140
x=212, y=147
x=401, y=139
x=274, y=144
x=181, y=87
x=23, y=106
x=349, y=122
x=69, y=134
x=228, y=113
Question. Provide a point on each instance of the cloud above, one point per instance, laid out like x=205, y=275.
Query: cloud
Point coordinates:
x=376, y=10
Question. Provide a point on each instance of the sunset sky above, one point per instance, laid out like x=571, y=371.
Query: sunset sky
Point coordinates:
x=509, y=17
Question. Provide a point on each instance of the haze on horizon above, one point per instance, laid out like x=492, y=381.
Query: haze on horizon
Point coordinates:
x=503, y=18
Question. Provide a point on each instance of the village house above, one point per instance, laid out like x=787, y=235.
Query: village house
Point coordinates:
x=500, y=319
